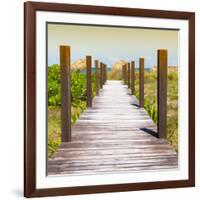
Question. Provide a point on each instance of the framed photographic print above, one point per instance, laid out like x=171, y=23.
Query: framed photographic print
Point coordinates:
x=109, y=99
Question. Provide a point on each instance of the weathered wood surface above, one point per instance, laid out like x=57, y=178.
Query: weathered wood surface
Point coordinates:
x=115, y=135
x=141, y=82
x=129, y=75
x=101, y=74
x=89, y=80
x=133, y=77
x=162, y=92
x=97, y=76
x=65, y=93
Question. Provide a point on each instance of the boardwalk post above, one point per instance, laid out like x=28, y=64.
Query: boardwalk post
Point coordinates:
x=65, y=93
x=97, y=76
x=162, y=92
x=132, y=77
x=141, y=82
x=103, y=77
x=106, y=72
x=89, y=81
x=101, y=74
x=129, y=73
x=125, y=74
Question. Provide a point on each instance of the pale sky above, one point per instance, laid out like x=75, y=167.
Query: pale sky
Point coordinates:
x=110, y=44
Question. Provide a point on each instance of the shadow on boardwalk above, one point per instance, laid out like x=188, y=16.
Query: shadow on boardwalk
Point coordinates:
x=115, y=135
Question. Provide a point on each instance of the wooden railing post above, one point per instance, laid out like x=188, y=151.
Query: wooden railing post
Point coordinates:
x=129, y=73
x=162, y=92
x=101, y=74
x=125, y=74
x=89, y=81
x=65, y=93
x=97, y=76
x=106, y=72
x=141, y=82
x=132, y=77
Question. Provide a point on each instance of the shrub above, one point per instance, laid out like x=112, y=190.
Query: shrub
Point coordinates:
x=54, y=86
x=173, y=76
x=78, y=87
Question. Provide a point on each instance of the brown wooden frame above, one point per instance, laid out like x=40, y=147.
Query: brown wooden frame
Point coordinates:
x=30, y=8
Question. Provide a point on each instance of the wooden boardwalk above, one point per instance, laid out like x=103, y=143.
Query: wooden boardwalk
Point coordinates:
x=115, y=135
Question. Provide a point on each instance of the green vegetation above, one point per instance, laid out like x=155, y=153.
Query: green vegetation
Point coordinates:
x=78, y=103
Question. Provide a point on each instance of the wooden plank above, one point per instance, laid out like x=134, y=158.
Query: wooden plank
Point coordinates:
x=107, y=163
x=115, y=117
x=110, y=161
x=128, y=75
x=137, y=131
x=97, y=76
x=65, y=157
x=84, y=157
x=86, y=154
x=112, y=170
x=133, y=77
x=114, y=144
x=89, y=80
x=115, y=149
x=120, y=163
x=141, y=82
x=65, y=93
x=162, y=93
